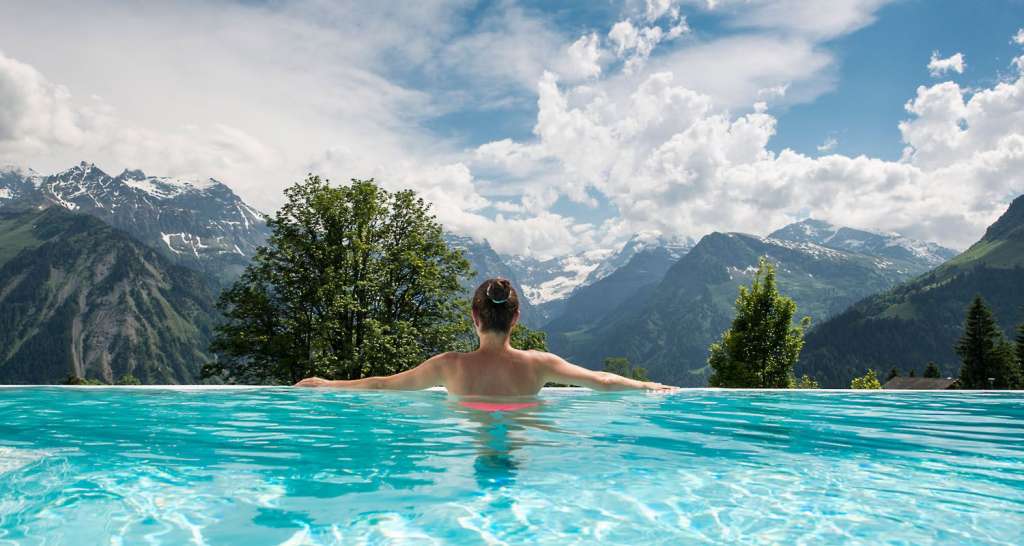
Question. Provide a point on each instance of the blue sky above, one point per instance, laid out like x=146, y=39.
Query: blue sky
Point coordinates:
x=548, y=128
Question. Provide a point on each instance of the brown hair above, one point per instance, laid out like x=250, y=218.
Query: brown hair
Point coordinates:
x=495, y=304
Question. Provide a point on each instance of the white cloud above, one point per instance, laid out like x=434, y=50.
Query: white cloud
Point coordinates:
x=34, y=113
x=670, y=160
x=634, y=43
x=938, y=66
x=656, y=9
x=585, y=57
x=798, y=17
x=1019, y=37
x=829, y=144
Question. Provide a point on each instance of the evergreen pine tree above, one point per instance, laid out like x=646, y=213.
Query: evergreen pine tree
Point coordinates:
x=763, y=344
x=1020, y=347
x=932, y=371
x=892, y=373
x=984, y=351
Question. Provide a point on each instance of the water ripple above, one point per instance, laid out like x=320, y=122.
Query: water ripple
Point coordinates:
x=288, y=466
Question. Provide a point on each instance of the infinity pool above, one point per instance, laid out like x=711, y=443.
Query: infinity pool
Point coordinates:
x=288, y=466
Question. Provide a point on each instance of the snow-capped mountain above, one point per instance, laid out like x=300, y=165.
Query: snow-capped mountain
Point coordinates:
x=675, y=247
x=546, y=281
x=198, y=223
x=553, y=279
x=873, y=243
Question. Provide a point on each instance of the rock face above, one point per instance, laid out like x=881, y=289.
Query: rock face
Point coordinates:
x=78, y=297
x=667, y=326
x=920, y=321
x=201, y=224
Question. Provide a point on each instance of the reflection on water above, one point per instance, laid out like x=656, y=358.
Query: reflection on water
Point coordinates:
x=499, y=428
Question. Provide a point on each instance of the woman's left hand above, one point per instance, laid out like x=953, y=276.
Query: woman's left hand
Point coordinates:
x=313, y=382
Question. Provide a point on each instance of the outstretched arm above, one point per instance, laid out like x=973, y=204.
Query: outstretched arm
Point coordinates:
x=558, y=370
x=427, y=374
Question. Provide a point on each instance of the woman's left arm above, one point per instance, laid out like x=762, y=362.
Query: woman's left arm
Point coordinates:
x=426, y=375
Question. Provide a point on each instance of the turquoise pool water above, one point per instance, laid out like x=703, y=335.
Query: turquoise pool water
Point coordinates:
x=287, y=466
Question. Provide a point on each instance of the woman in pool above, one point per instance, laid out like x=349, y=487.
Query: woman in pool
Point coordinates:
x=495, y=368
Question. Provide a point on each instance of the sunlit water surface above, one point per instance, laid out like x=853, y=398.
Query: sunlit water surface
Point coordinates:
x=272, y=466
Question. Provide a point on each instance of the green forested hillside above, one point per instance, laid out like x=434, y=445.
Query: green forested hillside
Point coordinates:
x=920, y=321
x=78, y=297
x=668, y=327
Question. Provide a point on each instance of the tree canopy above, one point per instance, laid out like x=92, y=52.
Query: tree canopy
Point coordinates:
x=867, y=381
x=354, y=281
x=763, y=344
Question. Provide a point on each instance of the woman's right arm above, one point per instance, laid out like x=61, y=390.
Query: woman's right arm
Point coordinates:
x=557, y=370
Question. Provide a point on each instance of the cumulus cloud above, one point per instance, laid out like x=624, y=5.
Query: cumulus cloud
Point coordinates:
x=34, y=113
x=585, y=57
x=1019, y=37
x=670, y=160
x=634, y=42
x=938, y=66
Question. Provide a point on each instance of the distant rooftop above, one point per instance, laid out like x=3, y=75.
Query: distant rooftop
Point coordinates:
x=920, y=383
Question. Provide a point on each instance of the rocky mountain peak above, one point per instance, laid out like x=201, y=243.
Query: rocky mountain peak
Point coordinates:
x=196, y=222
x=1010, y=224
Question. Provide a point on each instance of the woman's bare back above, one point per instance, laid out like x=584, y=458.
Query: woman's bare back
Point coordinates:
x=494, y=373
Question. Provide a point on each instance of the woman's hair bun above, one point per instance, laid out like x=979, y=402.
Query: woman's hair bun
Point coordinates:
x=495, y=305
x=498, y=290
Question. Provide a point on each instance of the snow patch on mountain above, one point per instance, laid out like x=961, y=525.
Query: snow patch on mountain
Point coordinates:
x=553, y=279
x=867, y=241
x=197, y=222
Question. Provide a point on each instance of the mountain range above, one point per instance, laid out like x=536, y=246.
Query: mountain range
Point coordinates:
x=667, y=326
x=919, y=321
x=550, y=283
x=201, y=224
x=102, y=276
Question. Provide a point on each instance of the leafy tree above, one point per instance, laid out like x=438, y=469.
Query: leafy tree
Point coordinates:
x=620, y=365
x=128, y=379
x=932, y=371
x=354, y=281
x=525, y=339
x=805, y=382
x=892, y=373
x=763, y=344
x=984, y=351
x=868, y=381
